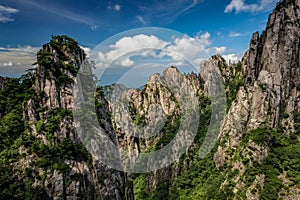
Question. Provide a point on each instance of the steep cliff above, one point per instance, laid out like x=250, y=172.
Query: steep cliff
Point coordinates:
x=156, y=111
x=152, y=117
x=266, y=109
x=50, y=161
x=255, y=155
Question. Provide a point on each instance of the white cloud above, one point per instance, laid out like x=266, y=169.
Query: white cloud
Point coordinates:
x=86, y=50
x=6, y=12
x=115, y=7
x=135, y=50
x=189, y=48
x=217, y=50
x=127, y=62
x=242, y=6
x=232, y=58
x=15, y=61
x=126, y=45
x=141, y=19
x=234, y=34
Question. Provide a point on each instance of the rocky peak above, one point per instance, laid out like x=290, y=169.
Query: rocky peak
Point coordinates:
x=270, y=94
x=272, y=61
x=276, y=50
x=70, y=171
x=171, y=72
x=272, y=74
x=218, y=59
x=251, y=61
x=58, y=62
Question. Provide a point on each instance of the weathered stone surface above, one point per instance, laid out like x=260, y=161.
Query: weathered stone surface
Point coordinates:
x=272, y=68
x=271, y=87
x=83, y=181
x=252, y=192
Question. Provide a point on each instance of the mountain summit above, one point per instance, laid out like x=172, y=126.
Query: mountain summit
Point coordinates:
x=255, y=154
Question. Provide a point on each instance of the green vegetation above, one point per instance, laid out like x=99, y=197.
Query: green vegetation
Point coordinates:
x=24, y=156
x=50, y=124
x=170, y=130
x=233, y=84
x=26, y=160
x=233, y=77
x=199, y=172
x=202, y=180
x=59, y=65
x=14, y=97
x=137, y=119
x=14, y=182
x=283, y=158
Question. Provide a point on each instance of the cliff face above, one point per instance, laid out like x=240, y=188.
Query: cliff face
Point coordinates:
x=256, y=155
x=55, y=159
x=271, y=77
x=269, y=97
x=150, y=118
x=273, y=59
x=261, y=124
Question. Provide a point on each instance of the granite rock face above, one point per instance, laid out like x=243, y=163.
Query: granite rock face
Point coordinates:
x=86, y=178
x=268, y=96
x=140, y=120
x=271, y=88
x=273, y=60
x=272, y=77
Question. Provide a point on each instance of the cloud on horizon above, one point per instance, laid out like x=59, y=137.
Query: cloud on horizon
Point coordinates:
x=232, y=58
x=15, y=61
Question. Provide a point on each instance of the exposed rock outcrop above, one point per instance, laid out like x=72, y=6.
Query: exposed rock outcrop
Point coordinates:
x=78, y=175
x=263, y=93
x=160, y=103
x=271, y=90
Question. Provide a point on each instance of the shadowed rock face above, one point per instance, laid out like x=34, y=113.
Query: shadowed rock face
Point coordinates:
x=271, y=87
x=86, y=177
x=272, y=73
x=273, y=58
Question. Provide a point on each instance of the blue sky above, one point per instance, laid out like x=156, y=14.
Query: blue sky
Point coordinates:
x=27, y=24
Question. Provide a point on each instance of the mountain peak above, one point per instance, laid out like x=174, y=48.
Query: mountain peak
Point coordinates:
x=58, y=63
